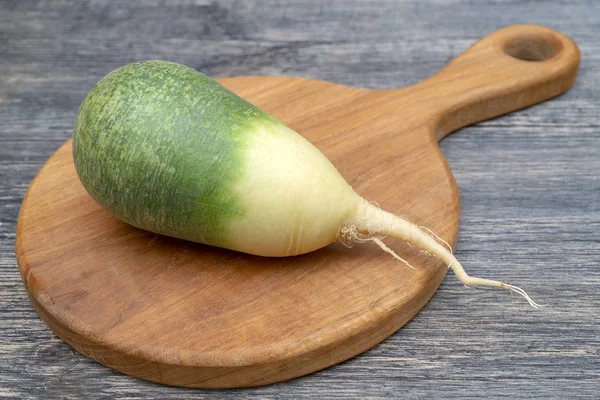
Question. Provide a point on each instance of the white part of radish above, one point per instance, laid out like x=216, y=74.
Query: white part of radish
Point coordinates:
x=293, y=199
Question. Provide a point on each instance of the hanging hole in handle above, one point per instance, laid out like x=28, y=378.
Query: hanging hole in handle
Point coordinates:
x=531, y=48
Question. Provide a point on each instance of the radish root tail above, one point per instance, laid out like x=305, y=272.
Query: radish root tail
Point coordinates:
x=518, y=290
x=374, y=223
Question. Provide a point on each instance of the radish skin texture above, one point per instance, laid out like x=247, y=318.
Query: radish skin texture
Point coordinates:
x=169, y=150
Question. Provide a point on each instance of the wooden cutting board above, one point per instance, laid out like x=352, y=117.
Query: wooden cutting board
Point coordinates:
x=186, y=314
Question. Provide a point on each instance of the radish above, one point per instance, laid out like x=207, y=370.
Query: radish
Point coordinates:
x=169, y=150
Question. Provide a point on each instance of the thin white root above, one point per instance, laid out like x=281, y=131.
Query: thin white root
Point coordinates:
x=439, y=240
x=437, y=237
x=374, y=223
x=383, y=247
x=518, y=290
x=350, y=235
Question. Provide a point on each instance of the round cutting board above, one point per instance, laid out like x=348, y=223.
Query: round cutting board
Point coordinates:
x=186, y=314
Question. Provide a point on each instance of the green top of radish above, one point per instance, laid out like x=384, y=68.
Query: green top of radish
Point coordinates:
x=160, y=146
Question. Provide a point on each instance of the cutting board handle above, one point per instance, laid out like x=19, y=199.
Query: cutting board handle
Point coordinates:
x=512, y=68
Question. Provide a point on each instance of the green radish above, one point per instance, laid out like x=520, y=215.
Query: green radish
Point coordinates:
x=169, y=150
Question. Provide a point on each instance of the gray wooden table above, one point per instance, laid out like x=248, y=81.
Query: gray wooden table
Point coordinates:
x=529, y=184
